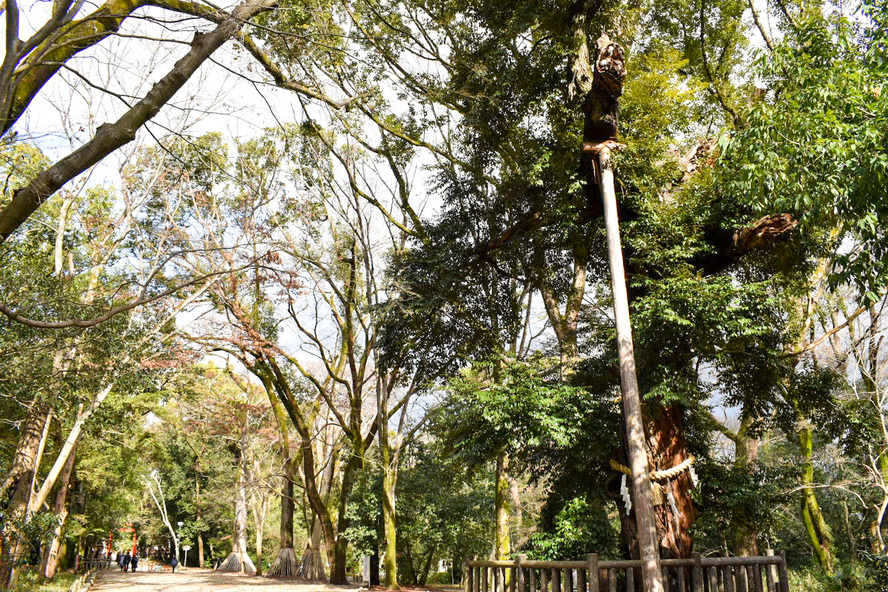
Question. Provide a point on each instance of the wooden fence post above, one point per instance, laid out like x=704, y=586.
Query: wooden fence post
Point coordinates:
x=519, y=572
x=697, y=574
x=592, y=566
x=784, y=575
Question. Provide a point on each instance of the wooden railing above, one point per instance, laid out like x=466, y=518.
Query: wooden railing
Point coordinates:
x=98, y=563
x=698, y=574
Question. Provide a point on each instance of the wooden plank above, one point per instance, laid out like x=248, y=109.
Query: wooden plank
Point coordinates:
x=485, y=579
x=612, y=580
x=552, y=564
x=770, y=572
x=664, y=570
x=757, y=573
x=592, y=568
x=728, y=573
x=758, y=560
x=630, y=579
x=544, y=580
x=467, y=577
x=713, y=579
x=568, y=580
x=582, y=581
x=681, y=579
x=556, y=580
x=532, y=573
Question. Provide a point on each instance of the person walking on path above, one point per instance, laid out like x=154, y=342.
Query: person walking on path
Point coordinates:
x=173, y=563
x=126, y=561
x=135, y=561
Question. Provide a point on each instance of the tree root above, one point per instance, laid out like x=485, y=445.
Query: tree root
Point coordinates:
x=239, y=562
x=285, y=565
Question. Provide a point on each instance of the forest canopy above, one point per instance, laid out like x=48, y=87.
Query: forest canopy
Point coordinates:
x=285, y=286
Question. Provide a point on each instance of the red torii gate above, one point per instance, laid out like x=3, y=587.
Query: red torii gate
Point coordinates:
x=128, y=527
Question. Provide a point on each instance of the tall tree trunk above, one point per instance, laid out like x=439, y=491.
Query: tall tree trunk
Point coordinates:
x=260, y=528
x=876, y=540
x=239, y=560
x=676, y=513
x=316, y=501
x=312, y=565
x=427, y=567
x=338, y=563
x=744, y=526
x=285, y=565
x=389, y=482
x=199, y=515
x=818, y=530
x=389, y=523
x=502, y=539
x=50, y=555
x=16, y=491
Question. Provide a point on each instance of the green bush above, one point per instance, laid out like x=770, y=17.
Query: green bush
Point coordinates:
x=30, y=581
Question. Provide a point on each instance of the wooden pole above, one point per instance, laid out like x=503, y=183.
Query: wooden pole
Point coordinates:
x=641, y=479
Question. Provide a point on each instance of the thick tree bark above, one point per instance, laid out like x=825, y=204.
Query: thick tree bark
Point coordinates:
x=677, y=514
x=16, y=492
x=111, y=136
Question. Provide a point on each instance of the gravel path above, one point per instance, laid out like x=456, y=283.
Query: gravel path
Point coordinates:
x=202, y=580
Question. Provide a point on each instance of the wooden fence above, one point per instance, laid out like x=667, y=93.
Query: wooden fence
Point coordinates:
x=698, y=574
x=98, y=563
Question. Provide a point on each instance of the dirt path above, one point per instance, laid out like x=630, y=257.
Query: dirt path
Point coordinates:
x=201, y=580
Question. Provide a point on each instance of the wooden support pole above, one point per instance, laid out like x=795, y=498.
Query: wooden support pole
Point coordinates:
x=638, y=461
